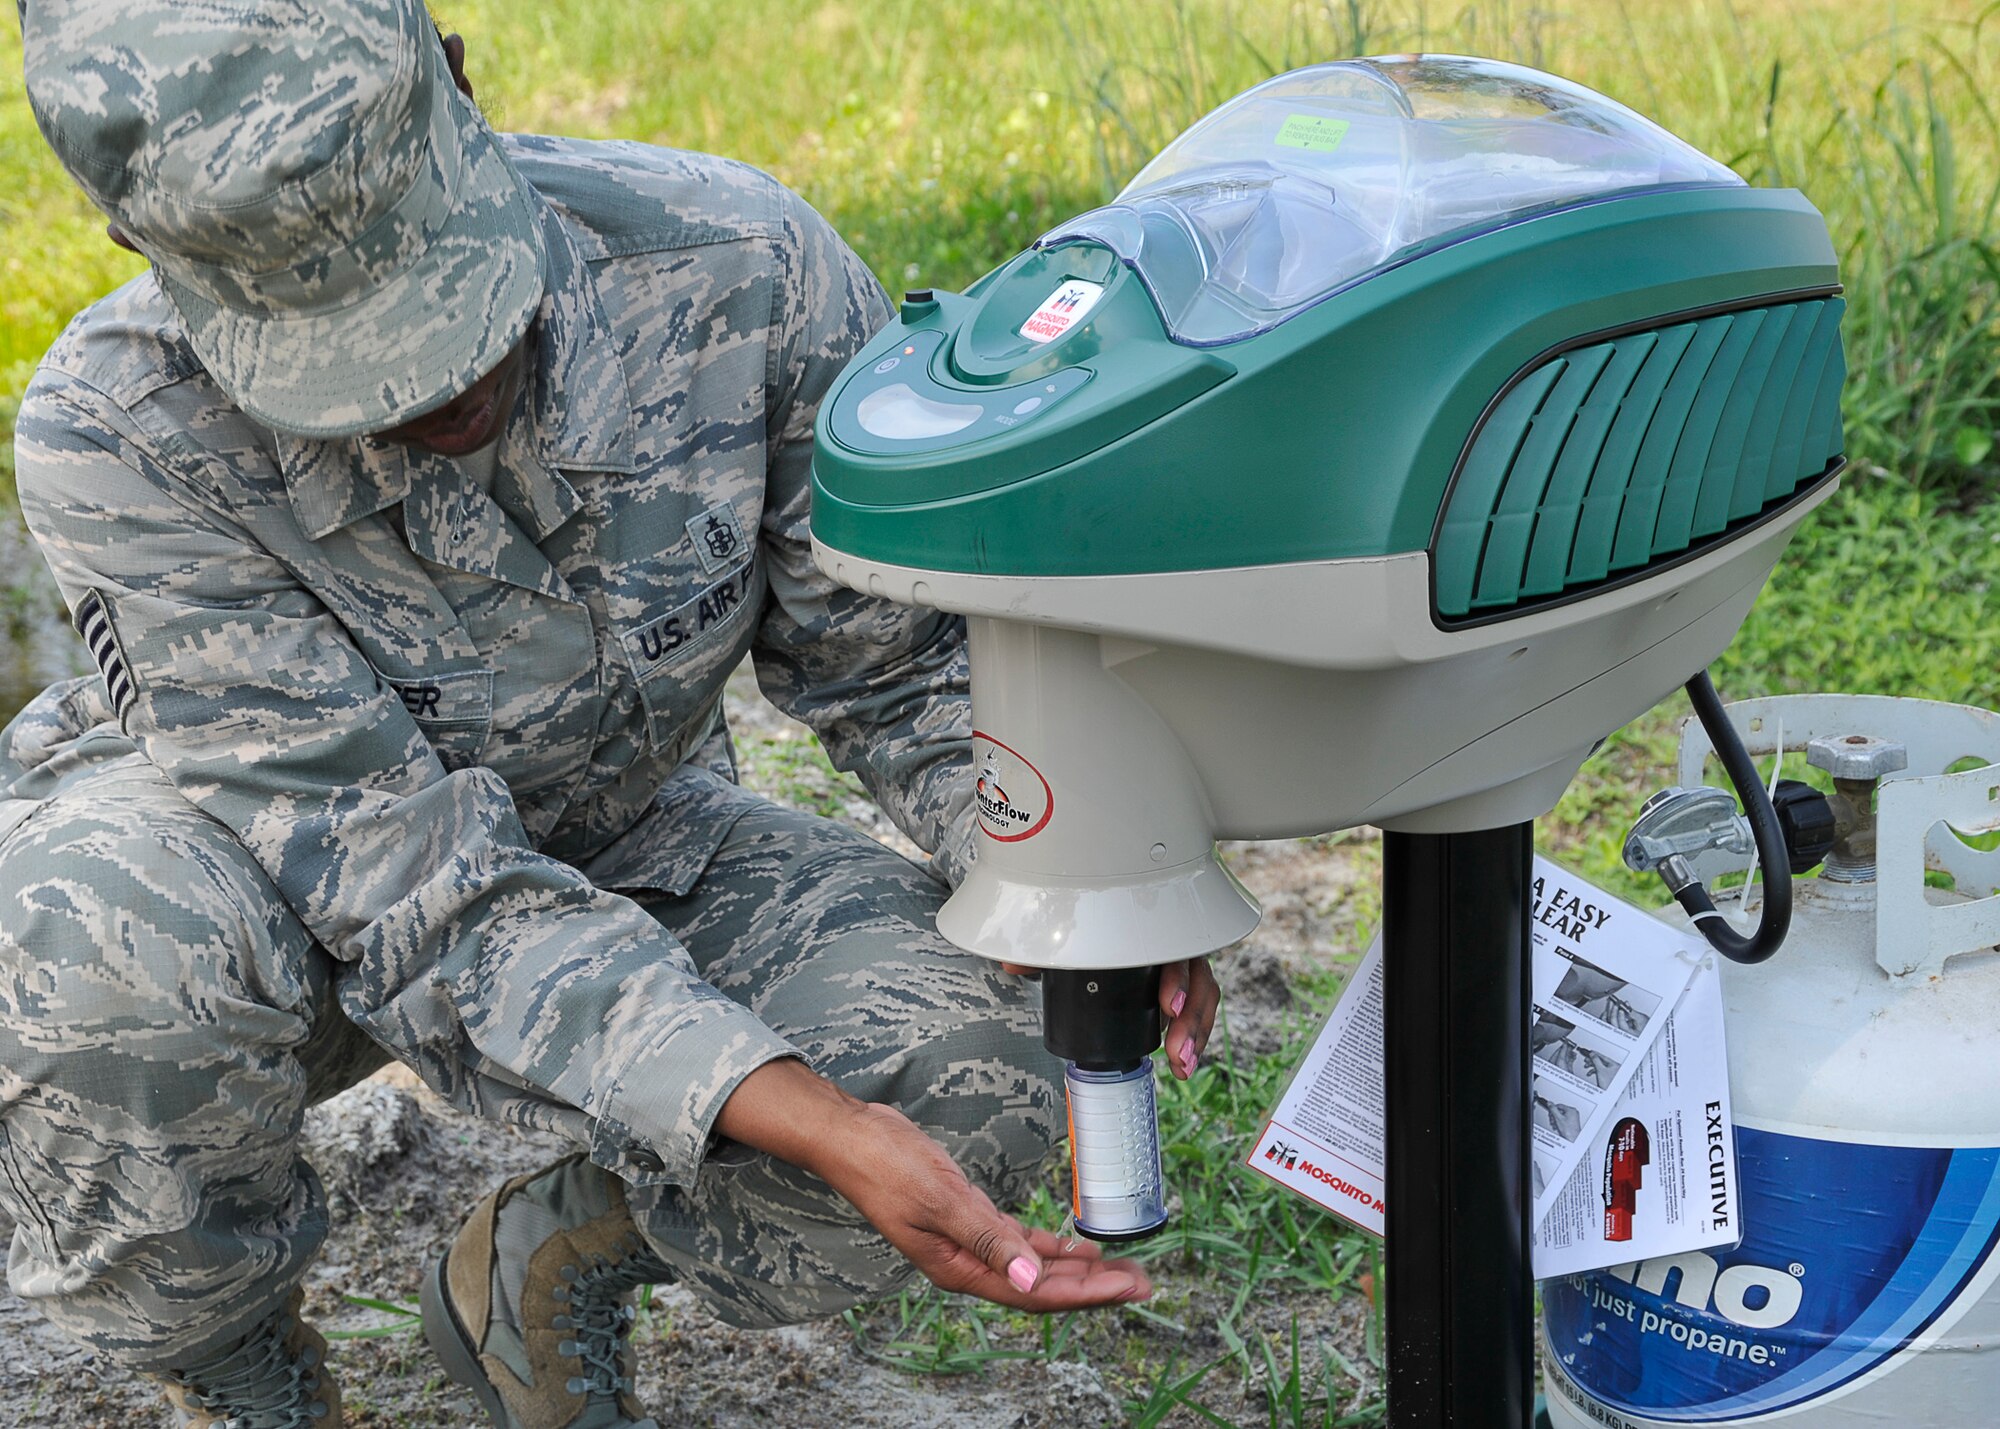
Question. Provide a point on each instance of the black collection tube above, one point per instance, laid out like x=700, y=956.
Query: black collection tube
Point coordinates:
x=1104, y=1020
x=1774, y=919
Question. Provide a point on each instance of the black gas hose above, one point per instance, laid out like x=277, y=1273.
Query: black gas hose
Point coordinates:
x=1774, y=919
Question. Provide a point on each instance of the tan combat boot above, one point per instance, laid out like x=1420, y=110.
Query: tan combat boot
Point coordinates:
x=529, y=1307
x=274, y=1379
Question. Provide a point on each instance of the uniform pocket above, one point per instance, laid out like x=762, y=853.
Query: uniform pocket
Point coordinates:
x=682, y=654
x=454, y=710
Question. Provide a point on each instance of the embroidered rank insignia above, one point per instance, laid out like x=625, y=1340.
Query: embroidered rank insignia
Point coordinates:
x=93, y=623
x=717, y=539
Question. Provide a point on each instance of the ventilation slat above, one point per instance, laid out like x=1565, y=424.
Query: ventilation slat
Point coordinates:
x=1513, y=524
x=1824, y=439
x=1789, y=454
x=1656, y=454
x=1562, y=503
x=1484, y=472
x=1590, y=560
x=1760, y=437
x=1630, y=452
x=1728, y=449
x=1731, y=445
x=1675, y=527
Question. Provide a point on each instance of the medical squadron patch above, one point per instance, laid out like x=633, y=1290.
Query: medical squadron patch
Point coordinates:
x=717, y=539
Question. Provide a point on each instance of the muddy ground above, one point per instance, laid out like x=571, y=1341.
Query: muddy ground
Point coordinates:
x=402, y=1168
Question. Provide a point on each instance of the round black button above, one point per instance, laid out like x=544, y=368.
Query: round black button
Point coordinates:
x=645, y=1159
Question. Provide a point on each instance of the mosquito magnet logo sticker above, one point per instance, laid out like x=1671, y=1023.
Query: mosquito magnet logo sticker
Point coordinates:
x=1062, y=310
x=1015, y=801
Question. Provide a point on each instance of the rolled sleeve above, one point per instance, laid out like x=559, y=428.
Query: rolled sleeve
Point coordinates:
x=660, y=1120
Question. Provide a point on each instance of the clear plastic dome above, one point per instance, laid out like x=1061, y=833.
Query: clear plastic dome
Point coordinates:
x=1319, y=178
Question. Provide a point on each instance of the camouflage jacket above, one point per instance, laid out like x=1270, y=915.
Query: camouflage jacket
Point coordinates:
x=452, y=726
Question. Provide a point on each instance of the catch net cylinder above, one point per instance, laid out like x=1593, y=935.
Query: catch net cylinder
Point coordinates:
x=1114, y=1157
x=1104, y=1024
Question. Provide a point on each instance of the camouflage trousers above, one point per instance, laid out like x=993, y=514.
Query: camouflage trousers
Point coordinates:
x=165, y=1021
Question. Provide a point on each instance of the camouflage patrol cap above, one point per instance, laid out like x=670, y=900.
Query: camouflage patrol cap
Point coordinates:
x=338, y=229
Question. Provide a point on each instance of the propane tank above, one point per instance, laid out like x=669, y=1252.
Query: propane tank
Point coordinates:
x=1864, y=1068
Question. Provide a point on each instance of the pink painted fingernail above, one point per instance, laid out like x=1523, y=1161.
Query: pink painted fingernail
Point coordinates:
x=1187, y=1059
x=1180, y=1001
x=1022, y=1272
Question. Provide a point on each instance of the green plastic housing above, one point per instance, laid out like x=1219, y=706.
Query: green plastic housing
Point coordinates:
x=1619, y=455
x=1342, y=433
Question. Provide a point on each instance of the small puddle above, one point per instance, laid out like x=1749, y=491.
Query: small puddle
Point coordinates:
x=39, y=646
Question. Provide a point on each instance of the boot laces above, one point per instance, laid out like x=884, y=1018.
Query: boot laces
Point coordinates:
x=599, y=1323
x=261, y=1384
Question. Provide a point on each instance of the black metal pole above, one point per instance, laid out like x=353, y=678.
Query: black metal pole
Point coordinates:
x=1455, y=964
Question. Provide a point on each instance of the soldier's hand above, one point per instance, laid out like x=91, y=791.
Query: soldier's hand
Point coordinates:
x=1189, y=997
x=916, y=1196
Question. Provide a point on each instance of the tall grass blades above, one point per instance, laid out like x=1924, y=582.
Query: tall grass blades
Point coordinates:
x=1918, y=255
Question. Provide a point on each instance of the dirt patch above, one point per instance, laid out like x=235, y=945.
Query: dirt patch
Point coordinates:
x=1321, y=900
x=402, y=1168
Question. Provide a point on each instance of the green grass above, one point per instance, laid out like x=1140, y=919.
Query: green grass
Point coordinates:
x=791, y=766
x=942, y=139
x=1235, y=1243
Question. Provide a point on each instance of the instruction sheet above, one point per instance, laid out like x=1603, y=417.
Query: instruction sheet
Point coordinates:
x=1325, y=1137
x=1607, y=979
x=1663, y=1178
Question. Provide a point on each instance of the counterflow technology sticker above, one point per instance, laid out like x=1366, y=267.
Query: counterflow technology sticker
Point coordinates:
x=1015, y=801
x=1315, y=132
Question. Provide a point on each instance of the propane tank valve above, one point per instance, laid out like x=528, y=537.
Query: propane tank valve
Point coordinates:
x=1857, y=762
x=1678, y=826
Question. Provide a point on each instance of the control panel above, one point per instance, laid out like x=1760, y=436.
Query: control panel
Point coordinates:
x=897, y=406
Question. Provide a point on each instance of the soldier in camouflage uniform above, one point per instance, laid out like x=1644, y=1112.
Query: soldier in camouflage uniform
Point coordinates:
x=415, y=507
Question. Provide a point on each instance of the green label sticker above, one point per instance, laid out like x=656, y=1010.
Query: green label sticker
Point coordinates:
x=1312, y=131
